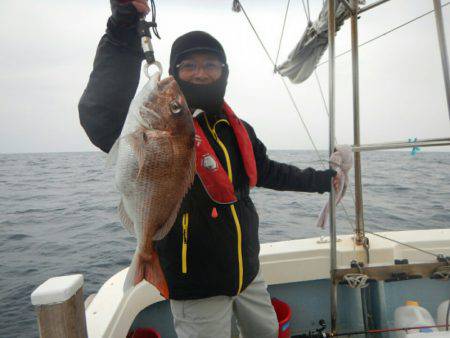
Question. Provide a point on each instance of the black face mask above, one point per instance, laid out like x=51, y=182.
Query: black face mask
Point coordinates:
x=207, y=97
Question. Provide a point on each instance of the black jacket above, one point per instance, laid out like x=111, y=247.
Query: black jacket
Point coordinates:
x=203, y=255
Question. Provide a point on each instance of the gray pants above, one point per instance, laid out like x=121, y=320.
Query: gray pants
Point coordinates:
x=211, y=317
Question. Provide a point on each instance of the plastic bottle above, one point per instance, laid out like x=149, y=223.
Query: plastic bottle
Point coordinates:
x=413, y=315
x=441, y=313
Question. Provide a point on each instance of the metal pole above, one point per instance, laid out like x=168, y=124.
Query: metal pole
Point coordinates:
x=331, y=107
x=359, y=235
x=359, y=231
x=399, y=145
x=443, y=48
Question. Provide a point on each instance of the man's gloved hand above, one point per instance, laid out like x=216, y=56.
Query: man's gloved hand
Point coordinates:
x=126, y=13
x=121, y=27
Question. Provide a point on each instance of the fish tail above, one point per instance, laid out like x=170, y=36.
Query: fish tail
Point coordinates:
x=148, y=267
x=143, y=262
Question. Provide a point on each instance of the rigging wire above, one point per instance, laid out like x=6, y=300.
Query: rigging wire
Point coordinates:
x=306, y=128
x=309, y=12
x=301, y=119
x=294, y=103
x=256, y=33
x=306, y=9
x=321, y=93
x=281, y=36
x=404, y=244
x=385, y=33
x=291, y=97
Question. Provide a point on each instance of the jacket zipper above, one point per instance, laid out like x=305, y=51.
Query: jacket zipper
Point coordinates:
x=232, y=208
x=184, y=246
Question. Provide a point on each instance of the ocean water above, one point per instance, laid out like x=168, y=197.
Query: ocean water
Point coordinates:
x=58, y=216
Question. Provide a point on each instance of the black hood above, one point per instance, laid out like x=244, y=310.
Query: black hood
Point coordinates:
x=208, y=97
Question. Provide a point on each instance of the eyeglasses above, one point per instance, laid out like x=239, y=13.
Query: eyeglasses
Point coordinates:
x=212, y=68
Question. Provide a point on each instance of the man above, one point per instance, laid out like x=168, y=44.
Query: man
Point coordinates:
x=210, y=257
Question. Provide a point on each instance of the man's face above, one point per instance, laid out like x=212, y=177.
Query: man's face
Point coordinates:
x=200, y=68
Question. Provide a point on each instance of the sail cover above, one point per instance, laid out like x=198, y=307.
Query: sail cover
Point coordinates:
x=304, y=58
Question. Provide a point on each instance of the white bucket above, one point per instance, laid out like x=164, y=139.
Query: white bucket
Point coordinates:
x=441, y=314
x=413, y=315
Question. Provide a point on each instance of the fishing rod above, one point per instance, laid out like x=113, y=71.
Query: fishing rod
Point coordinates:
x=320, y=334
x=377, y=331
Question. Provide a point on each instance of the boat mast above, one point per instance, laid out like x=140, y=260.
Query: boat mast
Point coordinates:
x=443, y=49
x=331, y=105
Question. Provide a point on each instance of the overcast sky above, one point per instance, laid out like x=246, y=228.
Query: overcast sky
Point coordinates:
x=48, y=46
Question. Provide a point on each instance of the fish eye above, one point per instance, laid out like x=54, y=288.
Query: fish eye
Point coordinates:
x=175, y=107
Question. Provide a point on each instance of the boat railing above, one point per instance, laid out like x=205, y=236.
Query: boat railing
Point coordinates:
x=355, y=10
x=433, y=142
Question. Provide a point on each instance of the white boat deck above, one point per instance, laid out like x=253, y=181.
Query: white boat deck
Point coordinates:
x=111, y=312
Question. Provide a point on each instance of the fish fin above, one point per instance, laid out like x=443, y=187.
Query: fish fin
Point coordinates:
x=113, y=154
x=322, y=220
x=129, y=279
x=153, y=274
x=137, y=142
x=148, y=267
x=191, y=171
x=126, y=220
x=148, y=143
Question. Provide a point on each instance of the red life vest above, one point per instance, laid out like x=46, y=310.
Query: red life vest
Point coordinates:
x=213, y=176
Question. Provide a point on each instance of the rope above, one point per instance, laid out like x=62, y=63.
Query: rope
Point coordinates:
x=442, y=272
x=356, y=280
x=385, y=33
x=282, y=33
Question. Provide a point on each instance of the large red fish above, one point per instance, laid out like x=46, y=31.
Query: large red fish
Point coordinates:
x=155, y=166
